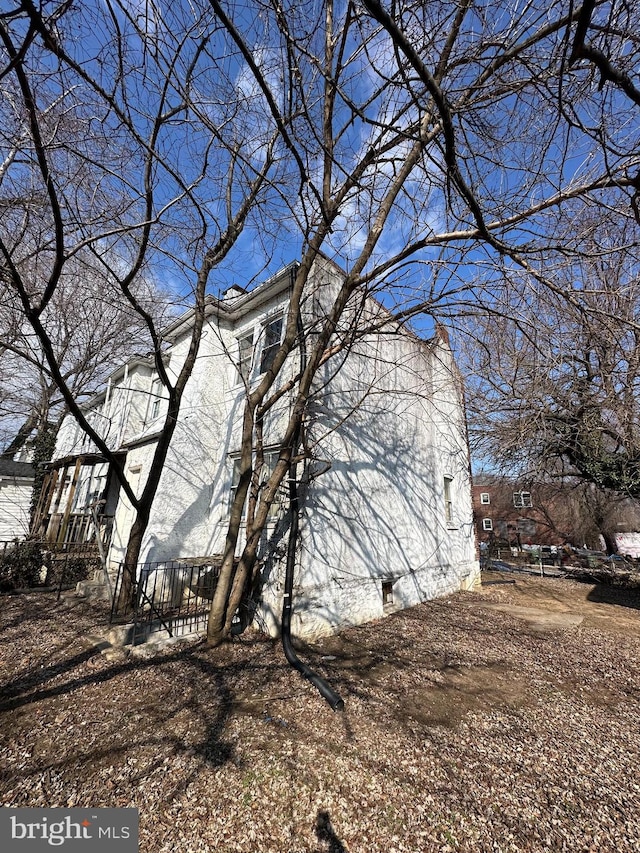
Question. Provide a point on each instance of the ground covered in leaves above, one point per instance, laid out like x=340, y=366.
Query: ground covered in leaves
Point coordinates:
x=504, y=720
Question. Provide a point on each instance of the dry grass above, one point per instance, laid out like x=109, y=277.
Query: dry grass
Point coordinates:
x=466, y=728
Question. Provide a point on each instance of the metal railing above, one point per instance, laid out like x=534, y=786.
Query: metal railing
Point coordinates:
x=36, y=563
x=173, y=596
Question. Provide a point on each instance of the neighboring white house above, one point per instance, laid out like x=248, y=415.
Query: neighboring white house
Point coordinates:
x=16, y=488
x=386, y=518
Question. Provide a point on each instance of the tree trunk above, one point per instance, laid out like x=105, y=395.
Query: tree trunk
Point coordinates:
x=609, y=542
x=125, y=601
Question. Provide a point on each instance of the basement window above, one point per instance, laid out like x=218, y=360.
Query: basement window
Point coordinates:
x=387, y=592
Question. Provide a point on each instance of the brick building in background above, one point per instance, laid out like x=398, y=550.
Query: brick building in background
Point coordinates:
x=516, y=513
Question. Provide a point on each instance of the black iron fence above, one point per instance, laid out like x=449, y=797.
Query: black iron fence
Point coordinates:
x=35, y=563
x=173, y=596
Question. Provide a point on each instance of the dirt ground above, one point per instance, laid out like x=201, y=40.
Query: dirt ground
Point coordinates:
x=502, y=720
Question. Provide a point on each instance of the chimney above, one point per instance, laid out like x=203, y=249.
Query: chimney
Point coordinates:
x=233, y=292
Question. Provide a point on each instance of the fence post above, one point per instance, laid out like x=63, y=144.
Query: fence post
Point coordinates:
x=60, y=582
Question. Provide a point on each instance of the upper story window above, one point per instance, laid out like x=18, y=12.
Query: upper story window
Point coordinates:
x=245, y=354
x=155, y=400
x=487, y=524
x=448, y=500
x=522, y=499
x=484, y=498
x=272, y=338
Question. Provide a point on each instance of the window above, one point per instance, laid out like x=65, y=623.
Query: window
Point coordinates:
x=235, y=481
x=448, y=501
x=155, y=400
x=484, y=498
x=527, y=527
x=270, y=460
x=387, y=592
x=272, y=336
x=522, y=499
x=487, y=524
x=245, y=352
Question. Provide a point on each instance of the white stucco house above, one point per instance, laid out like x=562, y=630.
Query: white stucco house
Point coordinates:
x=386, y=512
x=16, y=489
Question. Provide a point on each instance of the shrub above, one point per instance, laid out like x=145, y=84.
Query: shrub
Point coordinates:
x=20, y=566
x=69, y=569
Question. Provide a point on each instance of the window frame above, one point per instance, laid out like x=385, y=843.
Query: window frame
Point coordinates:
x=270, y=459
x=448, y=499
x=244, y=363
x=487, y=524
x=155, y=400
x=270, y=345
x=522, y=502
x=484, y=495
x=267, y=470
x=387, y=593
x=235, y=482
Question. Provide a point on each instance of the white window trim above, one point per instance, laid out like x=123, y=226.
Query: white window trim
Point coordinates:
x=487, y=524
x=239, y=378
x=279, y=500
x=447, y=491
x=263, y=335
x=520, y=502
x=154, y=406
x=485, y=498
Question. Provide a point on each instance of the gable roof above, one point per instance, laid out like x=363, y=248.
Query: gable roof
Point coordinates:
x=236, y=303
x=10, y=468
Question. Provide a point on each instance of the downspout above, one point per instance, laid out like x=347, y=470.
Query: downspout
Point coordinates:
x=324, y=688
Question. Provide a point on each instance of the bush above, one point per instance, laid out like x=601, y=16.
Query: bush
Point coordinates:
x=69, y=570
x=20, y=566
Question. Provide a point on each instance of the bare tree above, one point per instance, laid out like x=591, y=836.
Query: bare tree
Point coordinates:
x=404, y=144
x=137, y=152
x=455, y=154
x=91, y=327
x=556, y=377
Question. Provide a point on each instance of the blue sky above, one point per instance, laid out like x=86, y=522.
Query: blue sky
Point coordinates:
x=511, y=153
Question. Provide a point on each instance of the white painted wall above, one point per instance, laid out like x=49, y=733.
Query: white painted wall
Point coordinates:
x=15, y=504
x=190, y=514
x=387, y=427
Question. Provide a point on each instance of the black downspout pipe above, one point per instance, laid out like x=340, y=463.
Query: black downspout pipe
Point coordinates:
x=326, y=691
x=324, y=688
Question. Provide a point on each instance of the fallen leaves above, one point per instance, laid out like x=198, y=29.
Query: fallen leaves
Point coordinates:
x=465, y=730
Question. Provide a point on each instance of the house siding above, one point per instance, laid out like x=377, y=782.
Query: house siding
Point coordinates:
x=15, y=503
